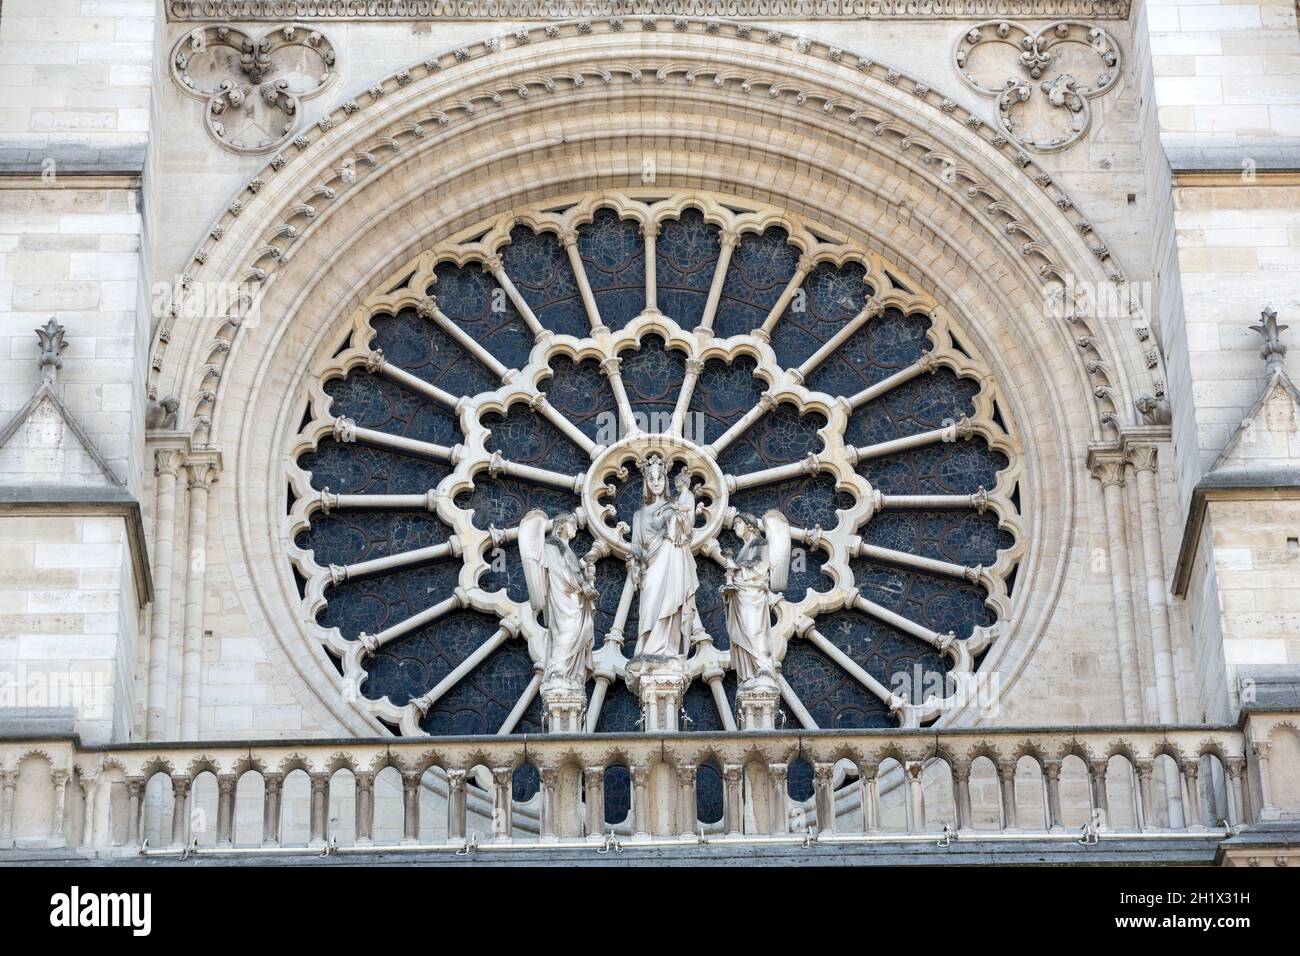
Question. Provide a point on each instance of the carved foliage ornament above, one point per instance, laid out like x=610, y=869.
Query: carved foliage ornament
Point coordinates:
x=1043, y=91
x=252, y=85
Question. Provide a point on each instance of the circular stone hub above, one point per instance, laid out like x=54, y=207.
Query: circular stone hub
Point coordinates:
x=621, y=459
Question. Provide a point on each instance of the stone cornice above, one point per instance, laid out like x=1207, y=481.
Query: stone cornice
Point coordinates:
x=1279, y=484
x=277, y=11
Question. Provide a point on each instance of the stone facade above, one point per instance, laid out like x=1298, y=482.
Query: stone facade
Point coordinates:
x=1101, y=247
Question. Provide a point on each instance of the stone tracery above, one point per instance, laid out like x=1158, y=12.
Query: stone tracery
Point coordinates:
x=839, y=396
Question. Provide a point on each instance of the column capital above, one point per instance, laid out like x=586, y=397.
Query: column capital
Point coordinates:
x=167, y=461
x=1141, y=457
x=202, y=474
x=1107, y=466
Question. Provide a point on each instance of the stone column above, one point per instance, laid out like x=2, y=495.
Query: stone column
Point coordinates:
x=1192, y=771
x=320, y=791
x=1267, y=811
x=1100, y=799
x=686, y=815
x=60, y=805
x=167, y=464
x=455, y=806
x=650, y=231
x=411, y=807
x=226, y=809
x=869, y=797
x=824, y=796
x=778, y=805
x=550, y=802
x=1143, y=460
x=961, y=773
x=89, y=784
x=271, y=809
x=180, y=811
x=916, y=797
x=502, y=781
x=1109, y=470
x=1145, y=821
x=1007, y=785
x=641, y=802
x=365, y=808
x=8, y=785
x=134, y=807
x=202, y=475
x=1052, y=774
x=732, y=812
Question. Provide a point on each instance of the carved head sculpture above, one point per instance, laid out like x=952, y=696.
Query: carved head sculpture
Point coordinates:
x=746, y=525
x=654, y=475
x=565, y=525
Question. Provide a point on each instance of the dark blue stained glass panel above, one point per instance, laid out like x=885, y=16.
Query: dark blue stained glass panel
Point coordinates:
x=962, y=537
x=620, y=712
x=613, y=254
x=611, y=576
x=708, y=793
x=708, y=601
x=890, y=656
x=799, y=780
x=885, y=345
x=833, y=698
x=345, y=537
x=941, y=604
x=832, y=296
x=411, y=665
x=618, y=794
x=761, y=267
x=505, y=571
x=805, y=501
x=354, y=470
x=539, y=267
x=471, y=298
x=701, y=707
x=427, y=352
x=580, y=392
x=501, y=501
x=525, y=782
x=372, y=604
x=924, y=403
x=946, y=468
x=686, y=256
x=780, y=437
x=723, y=394
x=526, y=438
x=652, y=376
x=373, y=402
x=480, y=704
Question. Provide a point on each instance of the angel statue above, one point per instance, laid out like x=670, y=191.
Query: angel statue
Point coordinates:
x=563, y=588
x=756, y=576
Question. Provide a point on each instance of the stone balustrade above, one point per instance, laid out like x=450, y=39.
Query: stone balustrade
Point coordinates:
x=824, y=785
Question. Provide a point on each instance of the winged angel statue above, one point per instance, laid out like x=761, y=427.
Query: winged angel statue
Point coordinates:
x=756, y=576
x=563, y=588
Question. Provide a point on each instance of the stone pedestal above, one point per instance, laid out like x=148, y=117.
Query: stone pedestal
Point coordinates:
x=757, y=701
x=565, y=706
x=659, y=683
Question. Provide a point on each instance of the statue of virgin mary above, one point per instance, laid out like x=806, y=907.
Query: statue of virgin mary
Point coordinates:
x=663, y=567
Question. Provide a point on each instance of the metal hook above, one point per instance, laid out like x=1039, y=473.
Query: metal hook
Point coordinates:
x=470, y=845
x=191, y=849
x=330, y=848
x=1089, y=836
x=947, y=839
x=809, y=839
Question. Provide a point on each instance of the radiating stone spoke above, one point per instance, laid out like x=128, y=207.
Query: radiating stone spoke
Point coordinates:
x=940, y=642
x=428, y=309
x=925, y=364
x=978, y=501
x=767, y=476
x=541, y=476
x=378, y=364
x=850, y=666
x=393, y=562
x=871, y=310
x=796, y=705
x=464, y=668
x=801, y=271
x=331, y=502
x=908, y=560
x=497, y=269
x=724, y=441
x=373, y=642
x=730, y=240
x=957, y=431
x=348, y=431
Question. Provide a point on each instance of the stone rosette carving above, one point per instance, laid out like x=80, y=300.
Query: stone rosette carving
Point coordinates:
x=252, y=85
x=1043, y=89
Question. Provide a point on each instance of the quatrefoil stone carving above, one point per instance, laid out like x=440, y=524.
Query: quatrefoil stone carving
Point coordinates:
x=252, y=86
x=1042, y=89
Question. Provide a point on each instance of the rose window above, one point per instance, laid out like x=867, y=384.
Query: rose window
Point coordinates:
x=535, y=361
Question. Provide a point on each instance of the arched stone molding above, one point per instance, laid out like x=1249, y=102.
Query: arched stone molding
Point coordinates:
x=850, y=144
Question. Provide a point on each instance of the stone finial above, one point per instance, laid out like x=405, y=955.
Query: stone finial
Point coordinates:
x=52, y=343
x=1272, y=351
